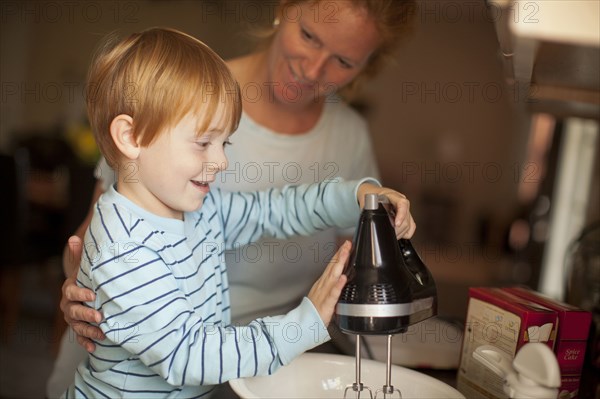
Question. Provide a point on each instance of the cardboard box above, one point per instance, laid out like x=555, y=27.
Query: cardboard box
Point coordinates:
x=505, y=321
x=571, y=338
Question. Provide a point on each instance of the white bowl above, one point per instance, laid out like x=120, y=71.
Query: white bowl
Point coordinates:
x=320, y=375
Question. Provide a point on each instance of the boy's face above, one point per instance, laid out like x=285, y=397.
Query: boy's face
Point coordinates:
x=175, y=171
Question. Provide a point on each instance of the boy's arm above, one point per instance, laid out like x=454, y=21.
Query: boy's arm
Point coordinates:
x=147, y=315
x=289, y=211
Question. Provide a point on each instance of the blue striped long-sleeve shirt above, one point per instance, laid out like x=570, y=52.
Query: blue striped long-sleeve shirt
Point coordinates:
x=161, y=285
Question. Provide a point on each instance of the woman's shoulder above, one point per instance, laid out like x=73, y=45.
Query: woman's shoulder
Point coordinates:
x=339, y=106
x=239, y=67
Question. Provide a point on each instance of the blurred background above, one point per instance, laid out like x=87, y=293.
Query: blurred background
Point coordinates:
x=490, y=132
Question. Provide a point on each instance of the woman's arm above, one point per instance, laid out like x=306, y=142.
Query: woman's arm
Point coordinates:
x=72, y=251
x=75, y=313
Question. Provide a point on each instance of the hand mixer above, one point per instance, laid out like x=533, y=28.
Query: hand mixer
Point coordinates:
x=388, y=288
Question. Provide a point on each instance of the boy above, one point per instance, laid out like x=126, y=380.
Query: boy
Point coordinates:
x=162, y=106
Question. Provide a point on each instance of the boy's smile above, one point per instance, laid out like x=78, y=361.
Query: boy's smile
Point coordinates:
x=202, y=186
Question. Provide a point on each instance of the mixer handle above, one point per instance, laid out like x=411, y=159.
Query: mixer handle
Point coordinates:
x=413, y=261
x=410, y=256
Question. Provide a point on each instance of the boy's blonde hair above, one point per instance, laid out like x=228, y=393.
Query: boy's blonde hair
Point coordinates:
x=157, y=77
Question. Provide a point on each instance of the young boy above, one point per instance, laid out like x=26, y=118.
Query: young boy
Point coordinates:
x=162, y=106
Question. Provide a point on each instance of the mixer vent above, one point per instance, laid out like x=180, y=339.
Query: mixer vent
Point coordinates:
x=378, y=293
x=382, y=293
x=348, y=293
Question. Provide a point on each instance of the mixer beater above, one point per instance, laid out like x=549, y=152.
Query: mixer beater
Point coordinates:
x=358, y=386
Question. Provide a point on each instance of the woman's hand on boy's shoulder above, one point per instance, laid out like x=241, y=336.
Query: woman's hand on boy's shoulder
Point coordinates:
x=404, y=224
x=77, y=315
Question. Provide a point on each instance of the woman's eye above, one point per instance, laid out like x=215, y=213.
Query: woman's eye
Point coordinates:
x=202, y=144
x=344, y=64
x=226, y=143
x=306, y=35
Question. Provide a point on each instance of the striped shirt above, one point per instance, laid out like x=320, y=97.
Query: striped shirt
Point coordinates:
x=161, y=285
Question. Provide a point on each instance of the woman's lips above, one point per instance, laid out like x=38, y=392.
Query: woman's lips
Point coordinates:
x=300, y=81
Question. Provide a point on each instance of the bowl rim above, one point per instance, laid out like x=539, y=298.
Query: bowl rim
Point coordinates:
x=240, y=387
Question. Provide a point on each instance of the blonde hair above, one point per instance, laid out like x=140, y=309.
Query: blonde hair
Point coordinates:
x=394, y=20
x=157, y=77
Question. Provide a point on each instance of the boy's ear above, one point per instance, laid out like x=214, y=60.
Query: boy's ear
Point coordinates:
x=121, y=131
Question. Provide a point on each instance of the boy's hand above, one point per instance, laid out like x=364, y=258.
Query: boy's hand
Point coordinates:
x=403, y=222
x=76, y=314
x=326, y=290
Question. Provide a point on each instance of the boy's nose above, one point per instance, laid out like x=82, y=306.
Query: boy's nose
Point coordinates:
x=220, y=162
x=215, y=166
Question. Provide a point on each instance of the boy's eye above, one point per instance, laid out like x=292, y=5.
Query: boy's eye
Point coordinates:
x=203, y=144
x=226, y=143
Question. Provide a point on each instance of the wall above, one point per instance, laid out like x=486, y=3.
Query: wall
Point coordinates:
x=47, y=46
x=445, y=123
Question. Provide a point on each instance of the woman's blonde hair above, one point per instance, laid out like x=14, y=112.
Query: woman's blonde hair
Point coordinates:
x=394, y=20
x=157, y=77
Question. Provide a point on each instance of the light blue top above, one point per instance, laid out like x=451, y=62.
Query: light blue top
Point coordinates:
x=162, y=287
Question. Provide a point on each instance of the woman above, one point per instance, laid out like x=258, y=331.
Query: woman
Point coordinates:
x=294, y=121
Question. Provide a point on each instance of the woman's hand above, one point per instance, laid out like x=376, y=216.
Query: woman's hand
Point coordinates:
x=403, y=221
x=76, y=314
x=326, y=290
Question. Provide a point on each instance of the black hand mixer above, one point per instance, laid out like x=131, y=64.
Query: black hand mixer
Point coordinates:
x=388, y=288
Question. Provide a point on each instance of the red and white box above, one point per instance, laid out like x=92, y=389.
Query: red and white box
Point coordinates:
x=507, y=322
x=571, y=334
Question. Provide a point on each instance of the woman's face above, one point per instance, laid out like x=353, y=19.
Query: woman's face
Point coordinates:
x=318, y=48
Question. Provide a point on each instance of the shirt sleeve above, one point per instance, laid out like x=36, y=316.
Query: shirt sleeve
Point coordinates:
x=147, y=315
x=289, y=211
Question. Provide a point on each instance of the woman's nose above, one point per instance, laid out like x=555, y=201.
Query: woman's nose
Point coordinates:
x=313, y=67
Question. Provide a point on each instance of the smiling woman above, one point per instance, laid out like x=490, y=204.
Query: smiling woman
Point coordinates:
x=314, y=50
x=313, y=56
